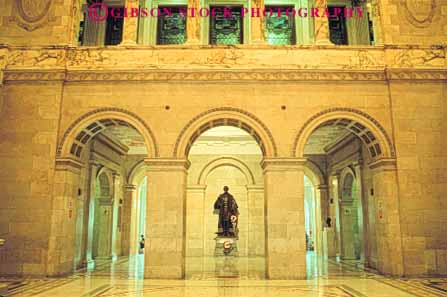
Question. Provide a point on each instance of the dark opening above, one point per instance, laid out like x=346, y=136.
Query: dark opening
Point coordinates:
x=226, y=29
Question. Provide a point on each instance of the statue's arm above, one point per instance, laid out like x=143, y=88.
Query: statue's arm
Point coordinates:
x=217, y=203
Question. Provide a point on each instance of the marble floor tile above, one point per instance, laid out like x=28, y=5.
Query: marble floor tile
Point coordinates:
x=242, y=276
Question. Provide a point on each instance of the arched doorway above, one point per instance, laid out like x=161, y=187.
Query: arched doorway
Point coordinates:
x=102, y=212
x=351, y=219
x=225, y=156
x=355, y=155
x=95, y=155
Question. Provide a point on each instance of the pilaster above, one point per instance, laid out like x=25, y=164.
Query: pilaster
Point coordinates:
x=129, y=199
x=388, y=230
x=130, y=27
x=285, y=234
x=165, y=218
x=321, y=25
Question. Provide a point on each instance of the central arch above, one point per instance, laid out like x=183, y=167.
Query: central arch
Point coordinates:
x=225, y=116
x=226, y=161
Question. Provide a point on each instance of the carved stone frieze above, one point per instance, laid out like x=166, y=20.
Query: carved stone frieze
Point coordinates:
x=416, y=58
x=197, y=63
x=37, y=58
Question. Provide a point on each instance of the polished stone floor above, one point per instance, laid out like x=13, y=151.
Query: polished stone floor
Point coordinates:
x=227, y=277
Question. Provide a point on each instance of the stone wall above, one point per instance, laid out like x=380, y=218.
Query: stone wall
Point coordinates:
x=40, y=22
x=28, y=135
x=419, y=118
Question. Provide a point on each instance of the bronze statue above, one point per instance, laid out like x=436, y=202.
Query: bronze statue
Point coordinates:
x=228, y=213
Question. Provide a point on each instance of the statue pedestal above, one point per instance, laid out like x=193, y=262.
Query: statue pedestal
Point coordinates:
x=226, y=246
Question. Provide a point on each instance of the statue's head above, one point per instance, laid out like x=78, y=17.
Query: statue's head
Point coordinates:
x=226, y=189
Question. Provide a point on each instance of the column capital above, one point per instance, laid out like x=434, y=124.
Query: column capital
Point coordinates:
x=358, y=163
x=254, y=188
x=282, y=164
x=385, y=164
x=130, y=187
x=166, y=164
x=196, y=188
x=69, y=165
x=323, y=187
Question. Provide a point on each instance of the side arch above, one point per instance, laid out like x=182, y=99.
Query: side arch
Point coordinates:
x=225, y=116
x=314, y=173
x=225, y=161
x=368, y=129
x=345, y=174
x=90, y=124
x=137, y=173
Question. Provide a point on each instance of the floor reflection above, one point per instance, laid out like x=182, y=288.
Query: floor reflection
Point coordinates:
x=226, y=276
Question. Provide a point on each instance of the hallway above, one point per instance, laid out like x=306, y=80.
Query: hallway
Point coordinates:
x=241, y=278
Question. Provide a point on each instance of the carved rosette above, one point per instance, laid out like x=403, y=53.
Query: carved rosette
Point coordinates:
x=32, y=14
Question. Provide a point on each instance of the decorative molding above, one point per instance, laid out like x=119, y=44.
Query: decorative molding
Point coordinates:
x=103, y=110
x=346, y=110
x=385, y=164
x=255, y=188
x=282, y=164
x=130, y=188
x=225, y=109
x=34, y=75
x=68, y=164
x=166, y=164
x=416, y=74
x=219, y=76
x=228, y=75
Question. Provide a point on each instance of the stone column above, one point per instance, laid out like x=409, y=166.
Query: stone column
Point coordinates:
x=388, y=231
x=193, y=24
x=129, y=198
x=130, y=27
x=284, y=200
x=165, y=219
x=321, y=24
x=362, y=206
x=257, y=23
x=324, y=203
x=256, y=222
x=61, y=248
x=89, y=217
x=196, y=220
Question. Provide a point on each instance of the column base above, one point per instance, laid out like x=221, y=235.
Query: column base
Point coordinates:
x=258, y=42
x=192, y=42
x=128, y=42
x=323, y=42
